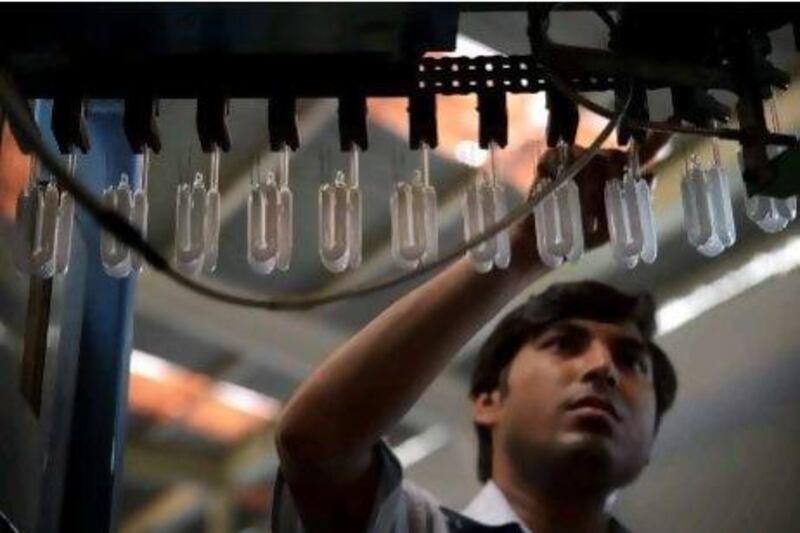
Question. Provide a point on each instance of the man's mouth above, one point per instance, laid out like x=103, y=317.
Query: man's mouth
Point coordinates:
x=594, y=405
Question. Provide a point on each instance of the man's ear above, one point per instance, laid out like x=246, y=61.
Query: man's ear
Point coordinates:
x=486, y=408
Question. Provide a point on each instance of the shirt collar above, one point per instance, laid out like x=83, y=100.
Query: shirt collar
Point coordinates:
x=490, y=507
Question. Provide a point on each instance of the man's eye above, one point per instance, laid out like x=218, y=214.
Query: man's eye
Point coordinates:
x=634, y=359
x=570, y=342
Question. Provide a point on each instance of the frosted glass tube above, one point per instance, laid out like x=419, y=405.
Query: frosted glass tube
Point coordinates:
x=354, y=221
x=481, y=255
x=190, y=226
x=502, y=257
x=333, y=224
x=115, y=255
x=648, y=221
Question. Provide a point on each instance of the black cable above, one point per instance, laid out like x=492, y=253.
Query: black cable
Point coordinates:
x=129, y=235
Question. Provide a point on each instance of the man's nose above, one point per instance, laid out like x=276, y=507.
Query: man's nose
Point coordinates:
x=599, y=367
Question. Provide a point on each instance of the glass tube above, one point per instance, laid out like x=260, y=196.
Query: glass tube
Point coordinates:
x=190, y=238
x=212, y=215
x=116, y=256
x=333, y=224
x=285, y=214
x=66, y=221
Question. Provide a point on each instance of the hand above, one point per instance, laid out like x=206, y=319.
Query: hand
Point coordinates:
x=606, y=165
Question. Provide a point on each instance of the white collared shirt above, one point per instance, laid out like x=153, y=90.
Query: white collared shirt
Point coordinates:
x=491, y=507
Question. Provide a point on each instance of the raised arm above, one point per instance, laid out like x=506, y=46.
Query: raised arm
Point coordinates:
x=330, y=426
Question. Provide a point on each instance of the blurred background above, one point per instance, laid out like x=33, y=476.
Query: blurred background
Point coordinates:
x=207, y=381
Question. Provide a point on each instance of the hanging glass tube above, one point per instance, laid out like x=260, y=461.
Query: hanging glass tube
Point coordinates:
x=771, y=214
x=558, y=219
x=707, y=211
x=262, y=222
x=629, y=210
x=354, y=211
x=37, y=226
x=190, y=218
x=141, y=208
x=285, y=227
x=340, y=219
x=66, y=222
x=116, y=256
x=415, y=229
x=333, y=222
x=28, y=207
x=212, y=215
x=485, y=204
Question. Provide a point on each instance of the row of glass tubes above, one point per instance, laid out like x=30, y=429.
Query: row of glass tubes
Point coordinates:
x=45, y=219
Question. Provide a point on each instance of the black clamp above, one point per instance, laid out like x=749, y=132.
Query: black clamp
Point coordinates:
x=353, y=122
x=493, y=118
x=562, y=119
x=637, y=109
x=69, y=124
x=282, y=123
x=212, y=127
x=422, y=120
x=139, y=121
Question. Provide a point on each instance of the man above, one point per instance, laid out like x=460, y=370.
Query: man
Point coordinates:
x=567, y=395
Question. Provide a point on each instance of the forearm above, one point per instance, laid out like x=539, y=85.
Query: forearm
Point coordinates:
x=366, y=386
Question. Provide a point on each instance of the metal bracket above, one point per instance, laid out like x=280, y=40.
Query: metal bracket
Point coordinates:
x=563, y=119
x=69, y=124
x=139, y=121
x=422, y=120
x=211, y=123
x=353, y=122
x=282, y=123
x=493, y=121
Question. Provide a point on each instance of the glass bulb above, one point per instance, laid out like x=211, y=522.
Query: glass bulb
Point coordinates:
x=699, y=201
x=190, y=226
x=212, y=224
x=431, y=216
x=619, y=224
x=354, y=221
x=43, y=259
x=66, y=219
x=502, y=257
x=285, y=228
x=408, y=224
x=115, y=255
x=474, y=211
x=722, y=208
x=285, y=214
x=644, y=196
x=262, y=216
x=141, y=210
x=333, y=224
x=544, y=218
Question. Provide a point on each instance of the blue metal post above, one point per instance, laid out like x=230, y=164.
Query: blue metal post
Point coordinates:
x=94, y=469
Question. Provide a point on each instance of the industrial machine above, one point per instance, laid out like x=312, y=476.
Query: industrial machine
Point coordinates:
x=56, y=61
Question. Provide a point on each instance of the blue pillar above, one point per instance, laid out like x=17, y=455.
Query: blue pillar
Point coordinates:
x=94, y=466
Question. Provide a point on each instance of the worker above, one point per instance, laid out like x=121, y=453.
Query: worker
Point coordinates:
x=567, y=396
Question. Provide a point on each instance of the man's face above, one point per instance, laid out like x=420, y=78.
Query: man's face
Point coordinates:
x=578, y=397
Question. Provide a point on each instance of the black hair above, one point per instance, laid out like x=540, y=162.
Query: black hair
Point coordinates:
x=588, y=300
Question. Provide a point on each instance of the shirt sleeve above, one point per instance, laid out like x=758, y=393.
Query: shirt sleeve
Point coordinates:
x=399, y=506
